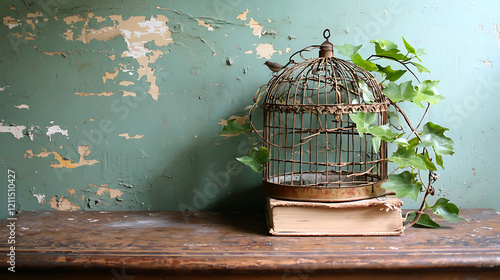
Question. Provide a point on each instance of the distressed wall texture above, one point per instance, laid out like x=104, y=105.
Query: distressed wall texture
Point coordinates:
x=117, y=105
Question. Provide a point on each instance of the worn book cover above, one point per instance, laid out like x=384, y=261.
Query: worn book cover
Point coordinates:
x=368, y=217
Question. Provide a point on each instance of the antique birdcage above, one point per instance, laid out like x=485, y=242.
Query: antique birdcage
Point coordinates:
x=316, y=151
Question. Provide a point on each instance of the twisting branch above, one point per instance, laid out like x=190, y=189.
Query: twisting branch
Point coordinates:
x=397, y=60
x=408, y=121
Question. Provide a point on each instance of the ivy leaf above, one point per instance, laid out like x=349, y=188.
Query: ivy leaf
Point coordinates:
x=439, y=160
x=363, y=121
x=393, y=117
x=383, y=45
x=409, y=48
x=365, y=64
x=232, y=127
x=256, y=158
x=406, y=156
x=401, y=142
x=424, y=220
x=428, y=162
x=402, y=92
x=376, y=143
x=447, y=210
x=434, y=133
x=427, y=92
x=404, y=184
x=367, y=94
x=384, y=132
x=420, y=52
x=348, y=49
x=388, y=49
x=420, y=68
x=390, y=74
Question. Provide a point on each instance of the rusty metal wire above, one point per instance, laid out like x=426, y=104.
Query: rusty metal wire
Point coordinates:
x=307, y=128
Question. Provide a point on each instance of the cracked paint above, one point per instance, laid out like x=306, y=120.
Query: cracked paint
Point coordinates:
x=63, y=162
x=127, y=136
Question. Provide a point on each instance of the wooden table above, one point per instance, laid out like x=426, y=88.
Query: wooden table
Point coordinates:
x=208, y=245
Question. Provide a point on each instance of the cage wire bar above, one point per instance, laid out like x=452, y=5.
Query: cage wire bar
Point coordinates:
x=316, y=151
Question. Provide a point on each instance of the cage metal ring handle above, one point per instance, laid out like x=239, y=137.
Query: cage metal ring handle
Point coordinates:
x=325, y=32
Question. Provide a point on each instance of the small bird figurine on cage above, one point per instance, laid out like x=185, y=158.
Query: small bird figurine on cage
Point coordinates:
x=274, y=66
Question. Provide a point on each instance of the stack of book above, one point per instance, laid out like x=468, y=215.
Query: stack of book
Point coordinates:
x=368, y=217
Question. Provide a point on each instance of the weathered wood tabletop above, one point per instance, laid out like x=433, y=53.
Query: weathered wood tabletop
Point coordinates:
x=196, y=245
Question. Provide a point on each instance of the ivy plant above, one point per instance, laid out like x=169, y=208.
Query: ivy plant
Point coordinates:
x=419, y=149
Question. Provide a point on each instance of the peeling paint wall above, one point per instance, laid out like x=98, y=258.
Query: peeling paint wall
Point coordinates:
x=117, y=105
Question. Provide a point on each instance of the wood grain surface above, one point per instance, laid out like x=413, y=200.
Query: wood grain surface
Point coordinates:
x=220, y=245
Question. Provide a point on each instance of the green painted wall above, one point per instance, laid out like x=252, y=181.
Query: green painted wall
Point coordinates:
x=114, y=105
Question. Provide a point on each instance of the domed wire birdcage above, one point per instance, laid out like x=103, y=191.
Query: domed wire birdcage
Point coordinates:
x=316, y=152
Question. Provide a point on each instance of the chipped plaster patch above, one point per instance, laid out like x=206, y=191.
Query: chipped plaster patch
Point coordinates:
x=126, y=83
x=487, y=63
x=62, y=162
x=71, y=191
x=127, y=136
x=10, y=22
x=265, y=50
x=98, y=94
x=243, y=16
x=40, y=198
x=203, y=23
x=74, y=19
x=128, y=93
x=137, y=32
x=257, y=28
x=110, y=76
x=55, y=129
x=16, y=130
x=497, y=33
x=54, y=53
x=113, y=193
x=22, y=106
x=68, y=34
x=62, y=204
x=249, y=52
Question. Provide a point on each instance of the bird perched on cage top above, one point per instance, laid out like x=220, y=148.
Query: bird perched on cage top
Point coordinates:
x=274, y=66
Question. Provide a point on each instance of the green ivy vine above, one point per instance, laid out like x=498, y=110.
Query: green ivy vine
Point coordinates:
x=419, y=149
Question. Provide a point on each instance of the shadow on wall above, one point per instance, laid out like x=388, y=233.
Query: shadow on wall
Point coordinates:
x=206, y=176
